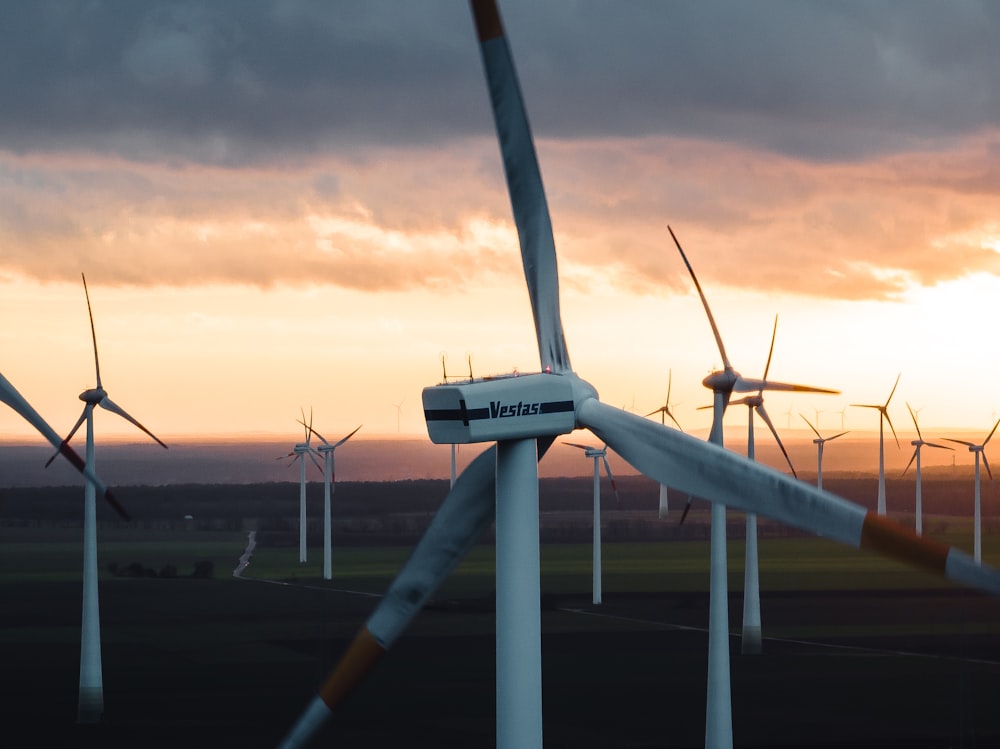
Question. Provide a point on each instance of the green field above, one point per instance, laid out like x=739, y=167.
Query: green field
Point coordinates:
x=902, y=658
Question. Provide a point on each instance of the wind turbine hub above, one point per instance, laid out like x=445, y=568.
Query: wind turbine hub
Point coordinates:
x=94, y=395
x=722, y=381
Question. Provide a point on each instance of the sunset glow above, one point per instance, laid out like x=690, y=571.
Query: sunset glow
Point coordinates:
x=327, y=256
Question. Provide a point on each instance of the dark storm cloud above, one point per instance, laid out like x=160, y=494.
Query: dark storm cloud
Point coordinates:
x=245, y=81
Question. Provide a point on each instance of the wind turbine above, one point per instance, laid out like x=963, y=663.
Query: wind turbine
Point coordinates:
x=297, y=454
x=523, y=413
x=978, y=450
x=751, y=642
x=399, y=407
x=598, y=454
x=91, y=696
x=883, y=417
x=819, y=442
x=722, y=384
x=664, y=412
x=329, y=479
x=917, y=444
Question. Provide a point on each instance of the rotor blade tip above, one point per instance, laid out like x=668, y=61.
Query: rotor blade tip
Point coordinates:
x=361, y=656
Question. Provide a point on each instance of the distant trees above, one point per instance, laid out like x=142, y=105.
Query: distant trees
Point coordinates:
x=203, y=570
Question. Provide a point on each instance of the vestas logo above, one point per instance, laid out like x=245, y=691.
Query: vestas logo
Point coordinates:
x=499, y=410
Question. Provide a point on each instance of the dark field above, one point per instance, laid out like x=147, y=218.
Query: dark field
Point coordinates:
x=861, y=652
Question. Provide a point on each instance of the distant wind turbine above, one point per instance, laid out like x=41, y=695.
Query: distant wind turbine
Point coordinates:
x=399, y=407
x=297, y=454
x=751, y=641
x=329, y=479
x=819, y=442
x=91, y=697
x=883, y=417
x=978, y=450
x=664, y=411
x=598, y=454
x=722, y=384
x=917, y=444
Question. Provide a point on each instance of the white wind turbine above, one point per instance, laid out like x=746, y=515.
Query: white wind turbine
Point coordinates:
x=722, y=384
x=751, y=642
x=917, y=444
x=978, y=450
x=91, y=697
x=820, y=441
x=399, y=407
x=664, y=412
x=523, y=413
x=298, y=454
x=329, y=479
x=598, y=454
x=883, y=417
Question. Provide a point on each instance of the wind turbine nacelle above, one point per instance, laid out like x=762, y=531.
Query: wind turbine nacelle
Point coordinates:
x=500, y=408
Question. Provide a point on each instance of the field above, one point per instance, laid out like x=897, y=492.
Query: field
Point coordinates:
x=858, y=651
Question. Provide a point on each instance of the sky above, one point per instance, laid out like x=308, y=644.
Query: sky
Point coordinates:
x=290, y=204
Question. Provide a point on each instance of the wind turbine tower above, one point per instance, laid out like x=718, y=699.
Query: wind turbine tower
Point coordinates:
x=722, y=384
x=752, y=642
x=91, y=696
x=978, y=450
x=917, y=444
x=598, y=454
x=883, y=410
x=298, y=455
x=329, y=479
x=820, y=441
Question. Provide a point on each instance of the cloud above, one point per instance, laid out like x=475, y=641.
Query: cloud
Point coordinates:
x=270, y=83
x=397, y=219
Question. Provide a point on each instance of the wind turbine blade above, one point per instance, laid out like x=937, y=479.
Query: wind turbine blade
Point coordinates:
x=670, y=382
x=912, y=458
x=69, y=436
x=93, y=332
x=770, y=425
x=524, y=184
x=835, y=436
x=316, y=463
x=991, y=433
x=986, y=463
x=961, y=442
x=866, y=405
x=942, y=447
x=770, y=353
x=709, y=471
x=10, y=396
x=893, y=392
x=310, y=429
x=748, y=384
x=915, y=424
x=611, y=478
x=818, y=435
x=885, y=413
x=109, y=405
x=465, y=514
x=704, y=303
x=574, y=444
x=687, y=509
x=347, y=437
